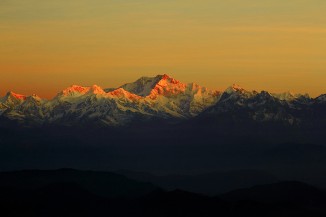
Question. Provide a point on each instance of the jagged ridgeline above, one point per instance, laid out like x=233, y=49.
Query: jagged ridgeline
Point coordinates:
x=161, y=124
x=162, y=98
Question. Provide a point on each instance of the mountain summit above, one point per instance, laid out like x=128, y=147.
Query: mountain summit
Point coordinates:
x=234, y=88
x=145, y=85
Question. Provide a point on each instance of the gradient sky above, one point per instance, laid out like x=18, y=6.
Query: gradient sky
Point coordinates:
x=277, y=45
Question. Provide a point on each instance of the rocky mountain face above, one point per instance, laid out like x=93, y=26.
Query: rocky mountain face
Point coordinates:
x=285, y=108
x=160, y=97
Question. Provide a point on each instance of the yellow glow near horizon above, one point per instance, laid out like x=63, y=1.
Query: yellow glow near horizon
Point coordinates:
x=274, y=45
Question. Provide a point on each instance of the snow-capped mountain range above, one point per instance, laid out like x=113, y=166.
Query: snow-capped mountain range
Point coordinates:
x=148, y=98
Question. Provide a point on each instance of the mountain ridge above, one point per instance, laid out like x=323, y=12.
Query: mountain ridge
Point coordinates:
x=160, y=97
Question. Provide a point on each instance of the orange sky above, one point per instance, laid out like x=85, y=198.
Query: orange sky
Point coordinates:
x=274, y=45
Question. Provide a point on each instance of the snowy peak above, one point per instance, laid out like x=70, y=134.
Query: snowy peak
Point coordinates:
x=122, y=93
x=97, y=90
x=235, y=92
x=74, y=90
x=16, y=96
x=167, y=96
x=321, y=98
x=199, y=90
x=144, y=85
x=13, y=99
x=167, y=87
x=167, y=79
x=33, y=100
x=153, y=88
x=289, y=97
x=77, y=91
x=34, y=97
x=234, y=88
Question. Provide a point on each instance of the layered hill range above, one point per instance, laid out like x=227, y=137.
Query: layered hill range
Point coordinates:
x=159, y=98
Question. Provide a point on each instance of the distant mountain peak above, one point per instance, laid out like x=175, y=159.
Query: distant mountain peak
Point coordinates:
x=234, y=88
x=289, y=96
x=321, y=98
x=142, y=86
x=165, y=76
x=34, y=97
x=122, y=93
x=16, y=95
x=285, y=96
x=11, y=100
x=95, y=89
x=150, y=86
x=74, y=90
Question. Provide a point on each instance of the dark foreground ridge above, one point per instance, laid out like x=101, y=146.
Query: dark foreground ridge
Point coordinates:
x=85, y=193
